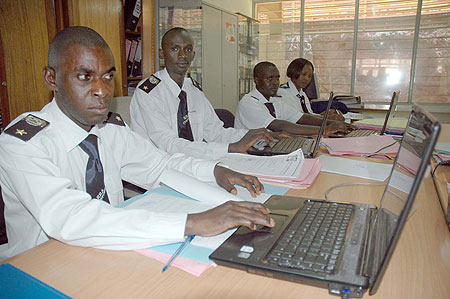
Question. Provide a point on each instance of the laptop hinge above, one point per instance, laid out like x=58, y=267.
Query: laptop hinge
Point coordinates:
x=380, y=231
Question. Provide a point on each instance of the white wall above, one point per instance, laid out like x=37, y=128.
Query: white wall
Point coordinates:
x=244, y=7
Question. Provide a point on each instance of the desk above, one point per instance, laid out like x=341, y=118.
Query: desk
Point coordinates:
x=420, y=267
x=442, y=174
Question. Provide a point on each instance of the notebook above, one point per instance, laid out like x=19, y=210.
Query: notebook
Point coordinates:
x=367, y=132
x=349, y=250
x=283, y=146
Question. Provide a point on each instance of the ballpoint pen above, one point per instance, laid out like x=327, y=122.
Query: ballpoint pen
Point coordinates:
x=177, y=252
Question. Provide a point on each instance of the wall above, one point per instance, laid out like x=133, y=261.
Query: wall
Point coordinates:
x=244, y=7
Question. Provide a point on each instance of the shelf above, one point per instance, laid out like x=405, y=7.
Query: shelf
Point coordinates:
x=134, y=78
x=132, y=33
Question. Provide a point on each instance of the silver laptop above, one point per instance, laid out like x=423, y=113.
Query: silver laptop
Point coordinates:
x=309, y=145
x=343, y=247
x=368, y=132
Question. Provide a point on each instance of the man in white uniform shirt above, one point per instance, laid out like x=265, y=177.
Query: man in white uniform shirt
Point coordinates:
x=172, y=111
x=262, y=107
x=61, y=168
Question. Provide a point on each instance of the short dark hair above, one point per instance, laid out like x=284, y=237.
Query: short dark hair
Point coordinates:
x=261, y=67
x=296, y=66
x=76, y=35
x=174, y=30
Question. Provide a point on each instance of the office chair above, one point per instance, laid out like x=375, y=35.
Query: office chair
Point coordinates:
x=312, y=91
x=226, y=117
x=3, y=237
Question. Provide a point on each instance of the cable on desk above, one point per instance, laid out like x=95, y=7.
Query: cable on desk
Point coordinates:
x=377, y=153
x=445, y=163
x=350, y=184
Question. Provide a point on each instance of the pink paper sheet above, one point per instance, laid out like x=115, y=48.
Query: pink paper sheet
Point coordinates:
x=358, y=146
x=192, y=267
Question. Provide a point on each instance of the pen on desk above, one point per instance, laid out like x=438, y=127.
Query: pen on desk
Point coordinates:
x=177, y=252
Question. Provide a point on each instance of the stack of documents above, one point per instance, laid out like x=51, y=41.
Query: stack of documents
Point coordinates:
x=442, y=149
x=291, y=170
x=194, y=259
x=361, y=146
x=396, y=126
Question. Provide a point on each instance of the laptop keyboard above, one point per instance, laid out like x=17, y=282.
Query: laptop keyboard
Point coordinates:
x=315, y=238
x=361, y=133
x=288, y=145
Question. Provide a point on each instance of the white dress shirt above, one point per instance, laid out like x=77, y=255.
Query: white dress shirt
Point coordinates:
x=289, y=93
x=43, y=186
x=154, y=116
x=252, y=112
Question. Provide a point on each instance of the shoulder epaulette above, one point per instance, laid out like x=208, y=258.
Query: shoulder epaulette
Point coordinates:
x=150, y=83
x=27, y=127
x=255, y=98
x=284, y=85
x=115, y=118
x=196, y=84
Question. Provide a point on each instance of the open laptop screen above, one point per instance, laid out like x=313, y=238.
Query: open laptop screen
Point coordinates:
x=408, y=170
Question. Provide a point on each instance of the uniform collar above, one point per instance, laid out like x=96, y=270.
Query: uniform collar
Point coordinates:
x=255, y=93
x=72, y=134
x=293, y=89
x=171, y=84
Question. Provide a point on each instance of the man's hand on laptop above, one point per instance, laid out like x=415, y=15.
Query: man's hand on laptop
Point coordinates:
x=282, y=134
x=248, y=140
x=338, y=127
x=334, y=114
x=227, y=178
x=226, y=216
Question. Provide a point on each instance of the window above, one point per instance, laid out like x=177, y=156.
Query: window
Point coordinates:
x=375, y=61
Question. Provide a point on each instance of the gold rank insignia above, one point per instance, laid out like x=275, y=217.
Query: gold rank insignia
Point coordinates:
x=27, y=127
x=150, y=83
x=114, y=118
x=196, y=84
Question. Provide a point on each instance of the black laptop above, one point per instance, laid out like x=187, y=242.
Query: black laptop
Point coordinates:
x=309, y=145
x=343, y=247
x=368, y=132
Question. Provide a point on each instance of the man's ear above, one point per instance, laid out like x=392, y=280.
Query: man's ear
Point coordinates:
x=161, y=53
x=49, y=76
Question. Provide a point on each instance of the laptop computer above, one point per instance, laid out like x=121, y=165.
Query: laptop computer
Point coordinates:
x=368, y=132
x=282, y=146
x=343, y=247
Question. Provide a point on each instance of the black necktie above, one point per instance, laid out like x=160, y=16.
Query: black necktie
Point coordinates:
x=270, y=108
x=184, y=127
x=95, y=184
x=303, y=103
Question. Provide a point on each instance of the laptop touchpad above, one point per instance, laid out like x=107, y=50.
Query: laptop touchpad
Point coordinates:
x=279, y=223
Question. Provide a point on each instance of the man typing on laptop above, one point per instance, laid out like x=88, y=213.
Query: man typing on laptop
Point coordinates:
x=263, y=108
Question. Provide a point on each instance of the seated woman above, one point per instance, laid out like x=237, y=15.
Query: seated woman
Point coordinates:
x=300, y=72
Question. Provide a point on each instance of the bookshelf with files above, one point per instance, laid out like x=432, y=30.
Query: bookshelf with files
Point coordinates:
x=132, y=44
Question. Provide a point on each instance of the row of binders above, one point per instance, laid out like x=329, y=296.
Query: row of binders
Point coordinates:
x=133, y=45
x=134, y=57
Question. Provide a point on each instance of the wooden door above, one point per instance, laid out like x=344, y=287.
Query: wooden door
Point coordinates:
x=26, y=27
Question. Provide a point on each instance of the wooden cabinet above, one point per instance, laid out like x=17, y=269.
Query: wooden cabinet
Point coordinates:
x=26, y=28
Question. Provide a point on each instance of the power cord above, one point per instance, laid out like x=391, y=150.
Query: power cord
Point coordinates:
x=377, y=153
x=350, y=184
x=445, y=163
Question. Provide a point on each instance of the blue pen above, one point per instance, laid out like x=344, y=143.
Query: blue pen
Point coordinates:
x=177, y=252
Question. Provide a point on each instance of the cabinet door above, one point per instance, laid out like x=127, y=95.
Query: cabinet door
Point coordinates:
x=105, y=17
x=230, y=92
x=26, y=27
x=212, y=53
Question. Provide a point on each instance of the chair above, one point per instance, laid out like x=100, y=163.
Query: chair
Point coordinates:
x=339, y=103
x=226, y=117
x=3, y=237
x=121, y=105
